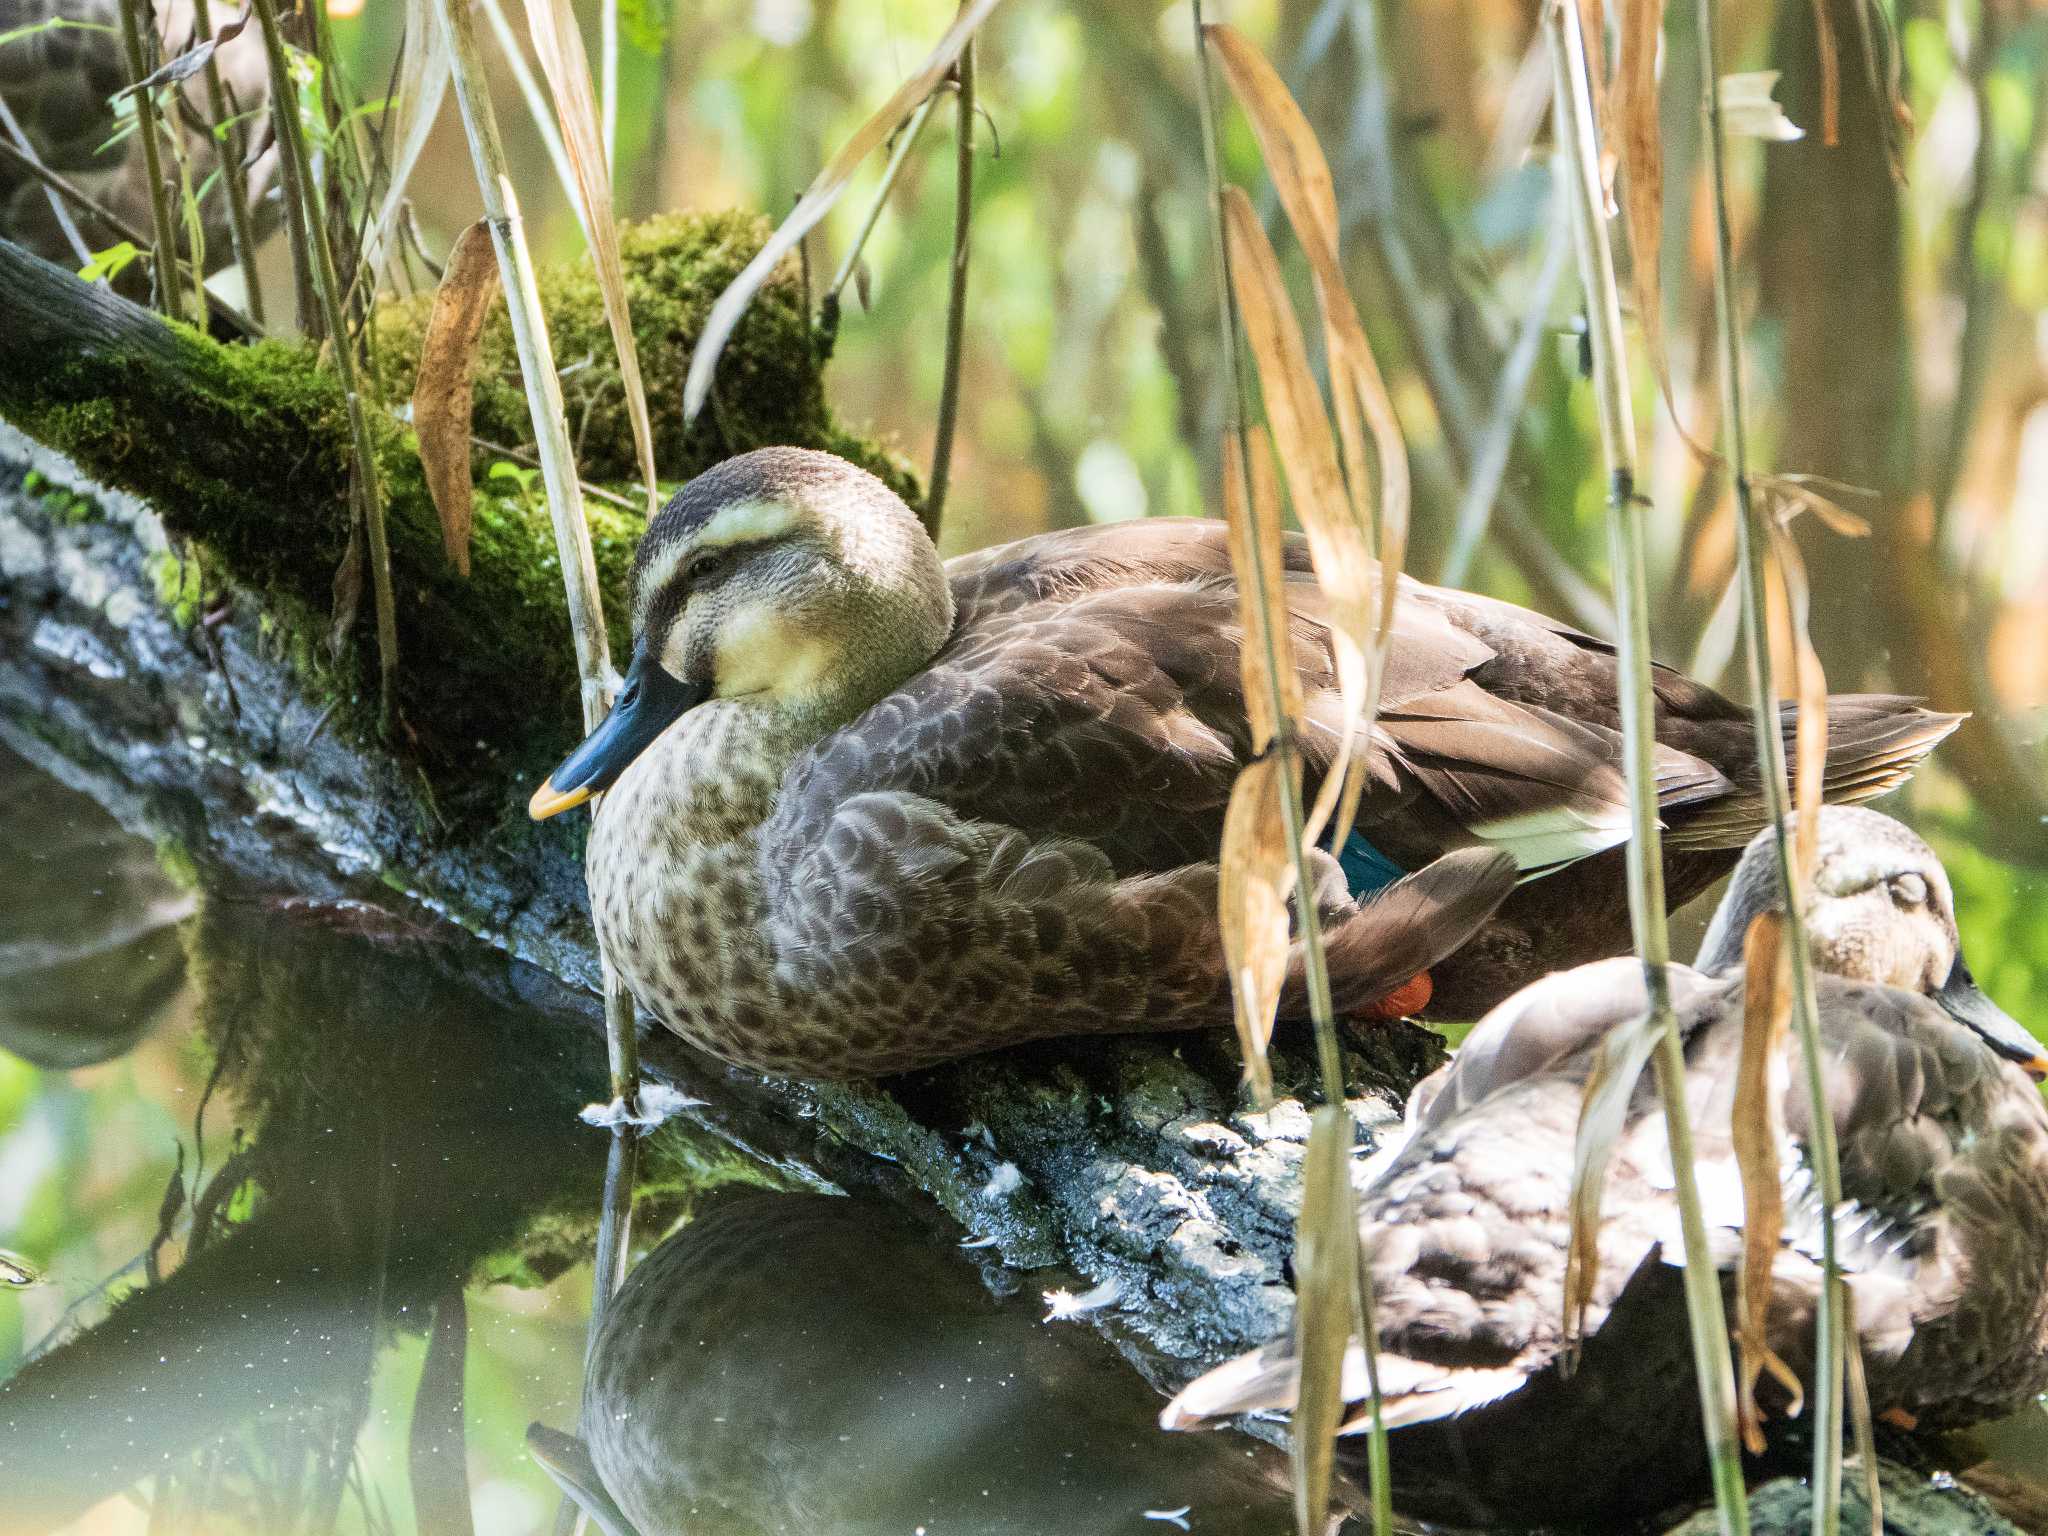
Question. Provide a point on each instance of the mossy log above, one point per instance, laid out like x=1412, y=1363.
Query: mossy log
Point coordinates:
x=1132, y=1164
x=245, y=451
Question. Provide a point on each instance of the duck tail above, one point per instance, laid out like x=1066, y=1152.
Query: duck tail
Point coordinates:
x=1875, y=741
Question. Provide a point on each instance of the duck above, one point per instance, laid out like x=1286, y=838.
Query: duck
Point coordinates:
x=865, y=811
x=1943, y=1139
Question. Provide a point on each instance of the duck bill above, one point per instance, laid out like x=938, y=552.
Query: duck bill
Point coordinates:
x=1964, y=1001
x=649, y=704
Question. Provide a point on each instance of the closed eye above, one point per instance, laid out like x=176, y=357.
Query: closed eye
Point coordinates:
x=1909, y=890
x=704, y=568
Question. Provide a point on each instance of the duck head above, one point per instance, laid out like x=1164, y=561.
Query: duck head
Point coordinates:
x=784, y=576
x=1881, y=911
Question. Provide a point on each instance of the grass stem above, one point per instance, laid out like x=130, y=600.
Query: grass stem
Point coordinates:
x=292, y=146
x=1825, y=1392
x=231, y=148
x=906, y=141
x=1578, y=142
x=956, y=298
x=148, y=128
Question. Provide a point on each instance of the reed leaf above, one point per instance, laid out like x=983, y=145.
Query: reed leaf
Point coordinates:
x=1757, y=1124
x=559, y=45
x=442, y=397
x=422, y=86
x=1325, y=1316
x=1301, y=176
x=819, y=197
x=1256, y=877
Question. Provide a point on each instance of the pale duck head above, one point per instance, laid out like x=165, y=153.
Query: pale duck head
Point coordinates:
x=1882, y=910
x=785, y=576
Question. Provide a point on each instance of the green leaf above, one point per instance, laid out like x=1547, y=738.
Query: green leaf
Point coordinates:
x=111, y=262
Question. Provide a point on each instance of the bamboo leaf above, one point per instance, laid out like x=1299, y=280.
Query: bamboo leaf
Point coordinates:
x=559, y=46
x=1255, y=545
x=1325, y=1316
x=1308, y=456
x=1254, y=881
x=1301, y=175
x=442, y=398
x=819, y=197
x=187, y=64
x=1757, y=1124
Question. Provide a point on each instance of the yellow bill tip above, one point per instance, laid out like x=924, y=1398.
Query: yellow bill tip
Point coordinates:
x=549, y=801
x=2037, y=1069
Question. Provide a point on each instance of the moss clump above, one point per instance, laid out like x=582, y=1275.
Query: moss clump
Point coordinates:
x=770, y=385
x=180, y=583
x=245, y=449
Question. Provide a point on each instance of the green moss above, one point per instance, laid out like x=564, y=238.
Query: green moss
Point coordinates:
x=61, y=505
x=245, y=450
x=180, y=583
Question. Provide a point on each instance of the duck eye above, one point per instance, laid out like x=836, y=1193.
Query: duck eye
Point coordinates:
x=1909, y=890
x=702, y=568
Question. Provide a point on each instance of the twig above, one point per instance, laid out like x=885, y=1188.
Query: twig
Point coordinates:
x=956, y=300
x=169, y=293
x=1826, y=1394
x=521, y=456
x=231, y=145
x=1483, y=478
x=1577, y=134
x=291, y=143
x=26, y=154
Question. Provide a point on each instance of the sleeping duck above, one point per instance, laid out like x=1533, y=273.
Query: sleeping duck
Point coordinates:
x=1944, y=1151
x=865, y=811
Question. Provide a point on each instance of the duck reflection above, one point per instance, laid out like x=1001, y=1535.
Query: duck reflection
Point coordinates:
x=804, y=1363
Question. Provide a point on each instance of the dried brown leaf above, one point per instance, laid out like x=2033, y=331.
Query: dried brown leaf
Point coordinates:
x=1378, y=527
x=1603, y=1116
x=1860, y=1420
x=1757, y=1124
x=442, y=398
x=1830, y=74
x=1308, y=456
x=1325, y=1310
x=819, y=197
x=1254, y=882
x=1258, y=557
x=559, y=46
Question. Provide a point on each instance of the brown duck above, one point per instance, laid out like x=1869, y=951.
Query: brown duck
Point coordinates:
x=1944, y=1152
x=867, y=811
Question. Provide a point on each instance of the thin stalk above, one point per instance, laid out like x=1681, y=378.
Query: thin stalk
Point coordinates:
x=292, y=146
x=956, y=301
x=1308, y=922
x=579, y=577
x=905, y=142
x=27, y=151
x=231, y=145
x=1577, y=138
x=164, y=244
x=537, y=106
x=1826, y=1394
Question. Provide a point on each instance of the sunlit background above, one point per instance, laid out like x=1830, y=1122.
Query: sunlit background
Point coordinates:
x=1898, y=349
